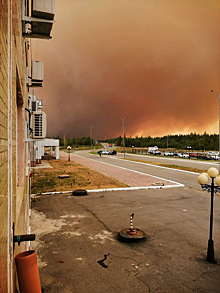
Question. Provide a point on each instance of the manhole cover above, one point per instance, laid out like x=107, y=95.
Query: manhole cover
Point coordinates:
x=124, y=235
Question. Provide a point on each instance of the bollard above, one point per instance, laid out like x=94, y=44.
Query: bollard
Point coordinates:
x=131, y=231
x=132, y=234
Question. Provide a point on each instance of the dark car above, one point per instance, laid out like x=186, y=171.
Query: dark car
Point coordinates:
x=156, y=153
x=113, y=153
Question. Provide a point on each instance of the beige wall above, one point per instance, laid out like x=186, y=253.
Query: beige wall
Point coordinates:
x=14, y=202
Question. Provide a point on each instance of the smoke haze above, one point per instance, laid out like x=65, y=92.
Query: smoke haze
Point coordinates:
x=152, y=61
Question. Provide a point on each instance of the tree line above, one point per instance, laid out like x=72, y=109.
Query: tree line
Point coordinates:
x=78, y=142
x=75, y=142
x=192, y=141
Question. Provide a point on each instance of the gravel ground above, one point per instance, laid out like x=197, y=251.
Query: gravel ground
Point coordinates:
x=128, y=177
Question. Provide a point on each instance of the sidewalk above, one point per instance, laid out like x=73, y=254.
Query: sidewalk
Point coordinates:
x=44, y=164
x=129, y=177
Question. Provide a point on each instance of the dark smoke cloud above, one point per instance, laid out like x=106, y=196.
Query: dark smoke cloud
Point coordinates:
x=153, y=61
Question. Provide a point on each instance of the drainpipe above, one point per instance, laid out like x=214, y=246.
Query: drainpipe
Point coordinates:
x=9, y=130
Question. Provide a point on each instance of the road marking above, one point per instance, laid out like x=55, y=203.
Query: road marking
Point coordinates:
x=112, y=189
x=148, y=164
x=145, y=174
x=167, y=168
x=176, y=159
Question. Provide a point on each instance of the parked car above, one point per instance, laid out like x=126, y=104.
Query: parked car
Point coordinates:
x=168, y=154
x=113, y=153
x=214, y=157
x=105, y=152
x=193, y=155
x=156, y=153
x=182, y=155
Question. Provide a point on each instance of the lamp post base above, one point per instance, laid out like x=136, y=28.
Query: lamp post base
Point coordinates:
x=210, y=251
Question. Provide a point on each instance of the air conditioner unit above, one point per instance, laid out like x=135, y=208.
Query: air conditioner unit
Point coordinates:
x=44, y=9
x=39, y=24
x=37, y=73
x=39, y=124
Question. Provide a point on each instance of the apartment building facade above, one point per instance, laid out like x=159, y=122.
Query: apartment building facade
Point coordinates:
x=15, y=135
x=14, y=176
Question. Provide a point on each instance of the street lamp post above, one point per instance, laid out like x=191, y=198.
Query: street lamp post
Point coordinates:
x=218, y=123
x=91, y=127
x=69, y=149
x=203, y=179
x=64, y=144
x=123, y=126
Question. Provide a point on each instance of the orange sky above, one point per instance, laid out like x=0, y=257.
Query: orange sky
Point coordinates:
x=151, y=60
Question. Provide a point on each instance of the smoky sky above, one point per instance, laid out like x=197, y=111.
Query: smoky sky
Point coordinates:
x=153, y=61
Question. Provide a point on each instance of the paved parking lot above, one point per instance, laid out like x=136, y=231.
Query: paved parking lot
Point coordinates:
x=78, y=250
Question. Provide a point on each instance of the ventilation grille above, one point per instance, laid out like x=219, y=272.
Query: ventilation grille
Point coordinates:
x=39, y=124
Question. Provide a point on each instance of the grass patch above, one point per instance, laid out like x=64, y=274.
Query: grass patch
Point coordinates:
x=94, y=153
x=169, y=166
x=47, y=179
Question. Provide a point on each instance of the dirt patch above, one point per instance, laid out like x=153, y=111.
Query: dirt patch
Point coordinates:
x=47, y=180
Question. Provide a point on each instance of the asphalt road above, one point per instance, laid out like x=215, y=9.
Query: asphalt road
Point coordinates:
x=189, y=179
x=78, y=249
x=193, y=163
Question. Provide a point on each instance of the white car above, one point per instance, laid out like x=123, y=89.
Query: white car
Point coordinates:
x=169, y=154
x=105, y=152
x=215, y=157
x=182, y=155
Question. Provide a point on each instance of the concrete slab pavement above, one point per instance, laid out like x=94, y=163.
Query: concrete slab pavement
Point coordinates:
x=131, y=177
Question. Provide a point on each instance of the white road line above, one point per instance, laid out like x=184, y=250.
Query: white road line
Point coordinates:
x=135, y=188
x=162, y=158
x=161, y=167
x=111, y=189
x=179, y=184
x=172, y=169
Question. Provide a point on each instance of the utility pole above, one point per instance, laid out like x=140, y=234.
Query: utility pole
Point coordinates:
x=219, y=125
x=91, y=127
x=123, y=127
